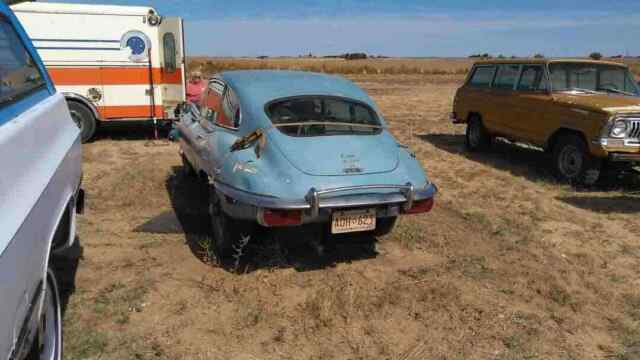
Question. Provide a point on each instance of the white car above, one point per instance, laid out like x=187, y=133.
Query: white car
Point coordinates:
x=40, y=176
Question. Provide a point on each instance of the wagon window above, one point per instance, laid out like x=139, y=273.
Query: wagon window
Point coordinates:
x=19, y=74
x=169, y=41
x=507, y=76
x=322, y=116
x=482, y=76
x=532, y=78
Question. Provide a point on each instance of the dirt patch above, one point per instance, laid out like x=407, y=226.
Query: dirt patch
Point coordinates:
x=509, y=265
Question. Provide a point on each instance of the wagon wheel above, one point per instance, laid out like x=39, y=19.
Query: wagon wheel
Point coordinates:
x=573, y=163
x=476, y=138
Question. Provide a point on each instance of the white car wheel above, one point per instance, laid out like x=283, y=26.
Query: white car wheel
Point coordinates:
x=49, y=341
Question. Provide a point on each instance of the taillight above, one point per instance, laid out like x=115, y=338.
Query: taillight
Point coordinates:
x=422, y=206
x=268, y=217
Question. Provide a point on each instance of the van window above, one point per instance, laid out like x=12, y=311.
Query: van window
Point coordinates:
x=482, y=76
x=507, y=76
x=19, y=74
x=169, y=42
x=532, y=78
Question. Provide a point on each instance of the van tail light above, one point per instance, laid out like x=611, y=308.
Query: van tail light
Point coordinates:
x=269, y=217
x=422, y=206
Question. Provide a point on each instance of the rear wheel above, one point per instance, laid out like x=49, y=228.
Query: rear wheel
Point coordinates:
x=476, y=138
x=225, y=231
x=187, y=167
x=384, y=226
x=573, y=163
x=84, y=119
x=48, y=342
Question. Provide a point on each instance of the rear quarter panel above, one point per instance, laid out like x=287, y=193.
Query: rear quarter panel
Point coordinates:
x=40, y=155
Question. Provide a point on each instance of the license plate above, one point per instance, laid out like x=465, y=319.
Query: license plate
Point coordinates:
x=353, y=221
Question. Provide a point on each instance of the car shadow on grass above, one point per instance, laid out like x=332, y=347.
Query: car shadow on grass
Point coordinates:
x=266, y=249
x=528, y=162
x=65, y=266
x=131, y=130
x=622, y=204
x=521, y=161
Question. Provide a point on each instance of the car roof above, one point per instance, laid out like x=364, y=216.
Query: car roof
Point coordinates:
x=263, y=86
x=546, y=61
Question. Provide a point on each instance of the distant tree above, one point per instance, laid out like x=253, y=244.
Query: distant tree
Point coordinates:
x=501, y=56
x=595, y=56
x=355, y=56
x=538, y=56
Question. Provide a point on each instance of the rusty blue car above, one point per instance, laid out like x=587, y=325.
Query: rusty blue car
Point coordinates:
x=289, y=148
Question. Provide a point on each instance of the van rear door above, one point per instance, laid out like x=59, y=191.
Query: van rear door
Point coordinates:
x=173, y=89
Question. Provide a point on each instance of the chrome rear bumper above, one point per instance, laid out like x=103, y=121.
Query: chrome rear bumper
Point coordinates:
x=242, y=204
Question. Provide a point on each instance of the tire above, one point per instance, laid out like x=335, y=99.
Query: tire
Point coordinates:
x=476, y=137
x=48, y=342
x=573, y=163
x=84, y=119
x=385, y=226
x=188, y=169
x=225, y=231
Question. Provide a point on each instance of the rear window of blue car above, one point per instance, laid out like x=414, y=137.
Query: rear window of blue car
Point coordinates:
x=323, y=116
x=19, y=73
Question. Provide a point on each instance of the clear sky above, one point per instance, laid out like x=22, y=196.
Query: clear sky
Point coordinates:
x=404, y=28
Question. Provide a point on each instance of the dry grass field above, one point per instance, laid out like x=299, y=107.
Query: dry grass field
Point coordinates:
x=431, y=66
x=389, y=66
x=509, y=265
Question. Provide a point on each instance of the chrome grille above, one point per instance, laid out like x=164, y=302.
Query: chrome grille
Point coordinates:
x=634, y=132
x=633, y=120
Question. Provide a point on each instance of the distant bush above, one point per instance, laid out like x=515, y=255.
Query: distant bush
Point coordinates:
x=595, y=56
x=538, y=56
x=355, y=56
x=481, y=56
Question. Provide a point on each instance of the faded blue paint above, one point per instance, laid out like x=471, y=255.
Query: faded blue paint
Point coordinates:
x=256, y=88
x=41, y=155
x=13, y=110
x=288, y=167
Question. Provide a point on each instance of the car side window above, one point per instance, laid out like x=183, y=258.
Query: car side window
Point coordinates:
x=19, y=73
x=506, y=77
x=532, y=78
x=482, y=76
x=210, y=105
x=229, y=116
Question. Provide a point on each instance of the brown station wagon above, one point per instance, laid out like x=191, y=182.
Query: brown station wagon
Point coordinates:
x=584, y=112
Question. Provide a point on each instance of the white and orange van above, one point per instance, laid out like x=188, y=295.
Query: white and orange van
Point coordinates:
x=110, y=62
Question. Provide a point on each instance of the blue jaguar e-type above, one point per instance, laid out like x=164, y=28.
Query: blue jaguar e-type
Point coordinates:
x=286, y=148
